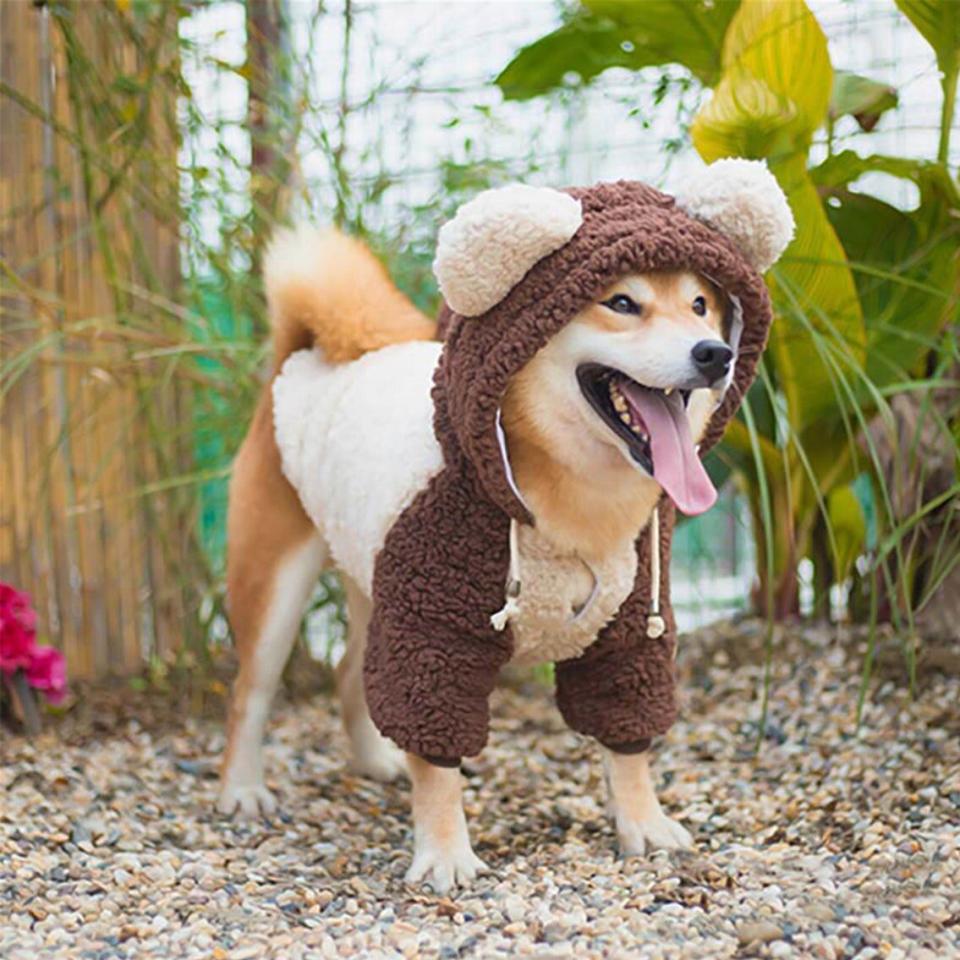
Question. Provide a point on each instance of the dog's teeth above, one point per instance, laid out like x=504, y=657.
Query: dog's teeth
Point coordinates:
x=668, y=391
x=625, y=417
x=619, y=404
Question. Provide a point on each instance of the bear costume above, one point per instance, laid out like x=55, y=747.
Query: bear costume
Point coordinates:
x=460, y=581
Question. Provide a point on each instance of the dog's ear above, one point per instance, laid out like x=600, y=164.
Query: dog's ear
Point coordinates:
x=743, y=200
x=494, y=239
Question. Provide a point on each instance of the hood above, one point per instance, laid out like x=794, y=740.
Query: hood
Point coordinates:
x=513, y=276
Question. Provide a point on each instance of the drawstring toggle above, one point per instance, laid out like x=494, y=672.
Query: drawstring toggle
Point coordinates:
x=512, y=594
x=655, y=624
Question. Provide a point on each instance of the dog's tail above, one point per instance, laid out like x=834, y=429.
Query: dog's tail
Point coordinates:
x=328, y=289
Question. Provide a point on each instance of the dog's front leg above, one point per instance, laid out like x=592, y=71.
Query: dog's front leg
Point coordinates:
x=442, y=855
x=641, y=823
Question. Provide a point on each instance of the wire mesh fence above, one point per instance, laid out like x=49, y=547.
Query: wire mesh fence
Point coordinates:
x=149, y=148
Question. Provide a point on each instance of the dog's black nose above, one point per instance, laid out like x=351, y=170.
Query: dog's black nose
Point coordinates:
x=712, y=358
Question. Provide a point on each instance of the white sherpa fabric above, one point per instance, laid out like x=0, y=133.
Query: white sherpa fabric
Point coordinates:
x=356, y=441
x=742, y=199
x=494, y=239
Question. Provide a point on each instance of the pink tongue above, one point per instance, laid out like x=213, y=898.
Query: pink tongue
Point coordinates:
x=676, y=466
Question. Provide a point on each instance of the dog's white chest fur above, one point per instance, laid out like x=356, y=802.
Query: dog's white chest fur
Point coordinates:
x=564, y=603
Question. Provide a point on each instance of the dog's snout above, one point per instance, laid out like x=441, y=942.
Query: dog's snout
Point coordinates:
x=712, y=359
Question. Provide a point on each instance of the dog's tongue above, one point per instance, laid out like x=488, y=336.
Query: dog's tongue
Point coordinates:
x=676, y=465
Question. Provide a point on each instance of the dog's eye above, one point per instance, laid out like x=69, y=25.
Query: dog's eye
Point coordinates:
x=699, y=306
x=621, y=303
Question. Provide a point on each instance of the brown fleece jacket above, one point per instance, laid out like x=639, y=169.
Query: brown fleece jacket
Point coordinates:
x=432, y=655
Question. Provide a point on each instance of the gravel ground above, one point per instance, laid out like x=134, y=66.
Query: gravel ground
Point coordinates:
x=826, y=844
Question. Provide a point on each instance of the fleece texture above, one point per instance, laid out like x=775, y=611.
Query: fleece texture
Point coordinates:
x=432, y=654
x=496, y=238
x=566, y=602
x=741, y=198
x=356, y=442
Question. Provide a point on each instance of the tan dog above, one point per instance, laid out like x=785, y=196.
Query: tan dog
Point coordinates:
x=497, y=497
x=574, y=470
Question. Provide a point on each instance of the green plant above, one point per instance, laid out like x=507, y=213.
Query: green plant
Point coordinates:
x=863, y=294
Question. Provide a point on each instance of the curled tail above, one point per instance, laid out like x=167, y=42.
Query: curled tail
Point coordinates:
x=328, y=289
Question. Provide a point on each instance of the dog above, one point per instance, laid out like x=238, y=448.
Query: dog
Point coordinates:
x=600, y=418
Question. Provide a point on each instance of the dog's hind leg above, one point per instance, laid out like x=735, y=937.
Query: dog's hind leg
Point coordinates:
x=274, y=556
x=372, y=754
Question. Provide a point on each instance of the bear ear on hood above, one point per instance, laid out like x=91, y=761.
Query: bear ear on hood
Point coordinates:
x=743, y=200
x=495, y=238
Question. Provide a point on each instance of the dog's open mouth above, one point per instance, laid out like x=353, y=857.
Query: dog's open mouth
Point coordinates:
x=654, y=426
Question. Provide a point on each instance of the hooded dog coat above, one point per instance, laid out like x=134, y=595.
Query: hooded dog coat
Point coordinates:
x=416, y=498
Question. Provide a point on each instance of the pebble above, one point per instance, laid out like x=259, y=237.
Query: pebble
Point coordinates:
x=515, y=908
x=758, y=931
x=827, y=844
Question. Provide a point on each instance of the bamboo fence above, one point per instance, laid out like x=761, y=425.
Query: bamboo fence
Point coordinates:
x=93, y=420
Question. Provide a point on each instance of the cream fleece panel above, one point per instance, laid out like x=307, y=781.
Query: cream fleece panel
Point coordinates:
x=564, y=603
x=742, y=199
x=494, y=239
x=356, y=442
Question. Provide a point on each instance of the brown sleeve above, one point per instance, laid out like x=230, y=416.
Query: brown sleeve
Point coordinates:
x=432, y=657
x=622, y=689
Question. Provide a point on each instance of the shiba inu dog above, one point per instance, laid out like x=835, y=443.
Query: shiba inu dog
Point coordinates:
x=504, y=495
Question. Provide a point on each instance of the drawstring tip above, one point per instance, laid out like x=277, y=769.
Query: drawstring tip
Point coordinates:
x=510, y=609
x=655, y=626
x=499, y=620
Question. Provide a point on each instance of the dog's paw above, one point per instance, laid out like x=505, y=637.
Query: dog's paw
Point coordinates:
x=442, y=870
x=247, y=800
x=657, y=832
x=384, y=763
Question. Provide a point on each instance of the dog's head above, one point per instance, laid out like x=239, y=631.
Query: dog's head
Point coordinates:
x=635, y=376
x=612, y=315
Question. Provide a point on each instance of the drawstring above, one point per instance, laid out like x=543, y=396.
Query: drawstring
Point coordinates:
x=512, y=606
x=655, y=624
x=510, y=609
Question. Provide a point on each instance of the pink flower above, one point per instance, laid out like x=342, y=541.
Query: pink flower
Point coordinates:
x=47, y=672
x=44, y=667
x=18, y=629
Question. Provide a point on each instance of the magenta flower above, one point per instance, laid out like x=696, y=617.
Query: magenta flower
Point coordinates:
x=48, y=673
x=44, y=667
x=18, y=629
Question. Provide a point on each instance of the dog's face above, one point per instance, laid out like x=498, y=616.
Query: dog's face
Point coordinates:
x=633, y=377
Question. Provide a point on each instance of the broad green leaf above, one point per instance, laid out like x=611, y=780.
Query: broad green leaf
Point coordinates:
x=761, y=402
x=781, y=43
x=739, y=444
x=862, y=98
x=939, y=23
x=774, y=94
x=743, y=118
x=827, y=448
x=688, y=32
x=775, y=88
x=629, y=35
x=906, y=265
x=584, y=47
x=931, y=177
x=849, y=527
x=819, y=326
